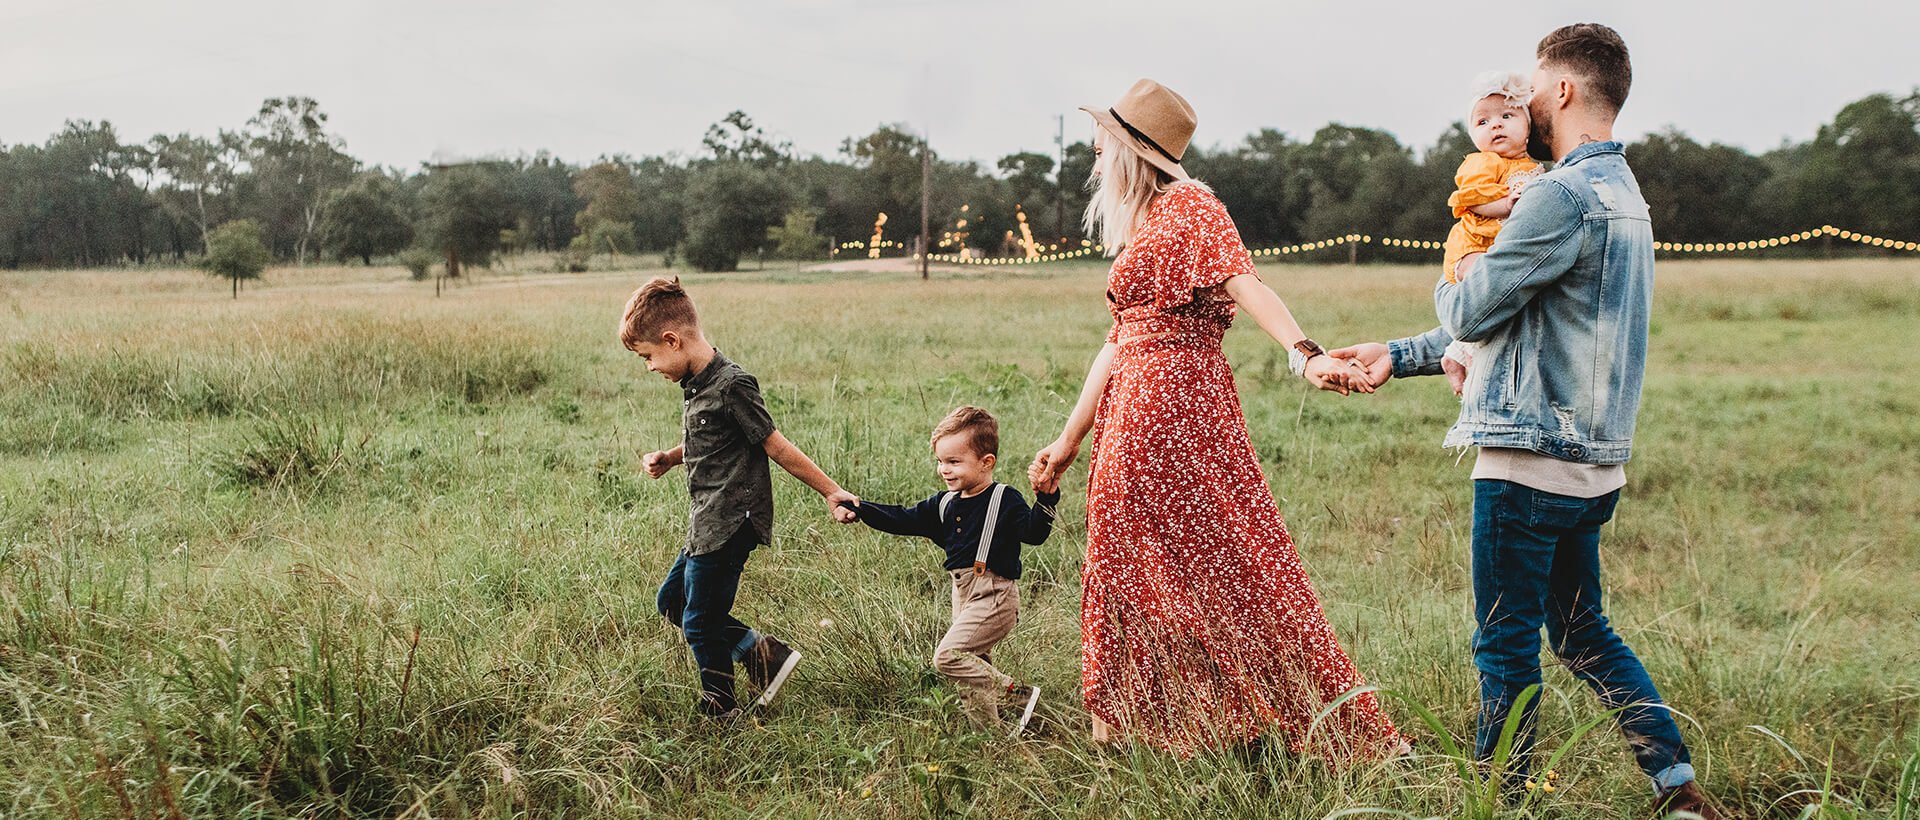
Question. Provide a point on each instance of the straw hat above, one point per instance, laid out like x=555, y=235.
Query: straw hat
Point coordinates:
x=1152, y=120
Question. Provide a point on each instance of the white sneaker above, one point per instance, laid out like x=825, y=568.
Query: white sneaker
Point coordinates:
x=777, y=658
x=1032, y=694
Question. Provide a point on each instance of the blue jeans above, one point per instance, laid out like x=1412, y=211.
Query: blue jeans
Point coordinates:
x=1536, y=562
x=697, y=597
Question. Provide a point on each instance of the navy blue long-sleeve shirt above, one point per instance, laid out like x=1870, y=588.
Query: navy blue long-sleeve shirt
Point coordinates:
x=959, y=533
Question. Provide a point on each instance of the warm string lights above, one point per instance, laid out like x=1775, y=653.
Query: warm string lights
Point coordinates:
x=1777, y=241
x=1027, y=244
x=874, y=246
x=1036, y=253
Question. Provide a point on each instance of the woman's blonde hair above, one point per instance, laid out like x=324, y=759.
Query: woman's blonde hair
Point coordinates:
x=1122, y=187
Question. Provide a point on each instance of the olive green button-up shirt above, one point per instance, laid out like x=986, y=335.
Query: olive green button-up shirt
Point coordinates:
x=726, y=426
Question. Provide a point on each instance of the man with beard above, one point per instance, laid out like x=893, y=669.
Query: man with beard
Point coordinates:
x=1560, y=305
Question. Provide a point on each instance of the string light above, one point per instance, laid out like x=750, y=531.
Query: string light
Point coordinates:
x=1788, y=239
x=1088, y=247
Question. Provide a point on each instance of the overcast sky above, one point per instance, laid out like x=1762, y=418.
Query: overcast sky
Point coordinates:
x=403, y=79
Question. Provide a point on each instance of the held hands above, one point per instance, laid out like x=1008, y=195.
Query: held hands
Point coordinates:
x=1050, y=463
x=1050, y=485
x=659, y=462
x=841, y=505
x=1372, y=362
x=1338, y=375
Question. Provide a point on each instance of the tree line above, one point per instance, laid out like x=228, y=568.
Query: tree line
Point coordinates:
x=286, y=183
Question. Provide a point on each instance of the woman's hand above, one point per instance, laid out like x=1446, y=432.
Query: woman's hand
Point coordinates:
x=1052, y=462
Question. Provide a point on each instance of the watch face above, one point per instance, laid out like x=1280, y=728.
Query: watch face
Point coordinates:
x=1308, y=346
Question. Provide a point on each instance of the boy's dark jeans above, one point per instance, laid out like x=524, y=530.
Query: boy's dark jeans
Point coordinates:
x=1536, y=562
x=697, y=596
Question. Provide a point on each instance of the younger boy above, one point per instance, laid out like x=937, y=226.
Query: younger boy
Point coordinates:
x=727, y=437
x=981, y=525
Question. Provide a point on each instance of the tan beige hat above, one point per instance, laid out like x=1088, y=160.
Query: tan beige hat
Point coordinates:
x=1152, y=120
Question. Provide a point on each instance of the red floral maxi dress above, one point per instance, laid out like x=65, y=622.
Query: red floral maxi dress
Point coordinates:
x=1198, y=624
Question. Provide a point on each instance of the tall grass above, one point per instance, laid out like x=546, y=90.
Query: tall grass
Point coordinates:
x=345, y=549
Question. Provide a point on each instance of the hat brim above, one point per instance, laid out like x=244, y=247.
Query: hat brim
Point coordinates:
x=1116, y=131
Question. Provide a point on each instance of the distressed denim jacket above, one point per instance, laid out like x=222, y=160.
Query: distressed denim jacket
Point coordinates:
x=1560, y=305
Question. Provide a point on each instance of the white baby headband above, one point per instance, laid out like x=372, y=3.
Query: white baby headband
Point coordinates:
x=1515, y=88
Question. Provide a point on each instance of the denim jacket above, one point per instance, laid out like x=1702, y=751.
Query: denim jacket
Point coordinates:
x=1560, y=305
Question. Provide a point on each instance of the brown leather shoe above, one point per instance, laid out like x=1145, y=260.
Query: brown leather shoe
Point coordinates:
x=1687, y=798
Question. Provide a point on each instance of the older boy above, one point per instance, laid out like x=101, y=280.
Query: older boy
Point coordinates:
x=726, y=441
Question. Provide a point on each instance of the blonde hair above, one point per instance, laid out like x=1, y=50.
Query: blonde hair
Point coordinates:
x=655, y=308
x=1121, y=190
x=981, y=428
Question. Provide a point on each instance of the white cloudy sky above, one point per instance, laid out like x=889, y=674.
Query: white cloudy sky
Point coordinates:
x=403, y=79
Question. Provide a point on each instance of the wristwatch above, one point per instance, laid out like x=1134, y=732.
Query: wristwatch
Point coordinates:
x=1302, y=351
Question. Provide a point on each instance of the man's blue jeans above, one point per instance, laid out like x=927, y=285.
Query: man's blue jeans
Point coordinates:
x=697, y=596
x=1536, y=562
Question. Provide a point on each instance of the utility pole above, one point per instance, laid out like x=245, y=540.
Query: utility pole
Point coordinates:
x=1060, y=178
x=926, y=202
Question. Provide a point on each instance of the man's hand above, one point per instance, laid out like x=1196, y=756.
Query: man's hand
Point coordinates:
x=839, y=513
x=1374, y=360
x=659, y=462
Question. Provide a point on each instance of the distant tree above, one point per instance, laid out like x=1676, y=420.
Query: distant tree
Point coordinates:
x=236, y=250
x=1075, y=173
x=612, y=207
x=738, y=203
x=661, y=184
x=1694, y=192
x=1256, y=181
x=1862, y=171
x=365, y=219
x=79, y=199
x=889, y=161
x=198, y=173
x=1354, y=179
x=602, y=236
x=795, y=238
x=737, y=139
x=1424, y=213
x=463, y=209
x=544, y=202
x=293, y=164
x=1029, y=179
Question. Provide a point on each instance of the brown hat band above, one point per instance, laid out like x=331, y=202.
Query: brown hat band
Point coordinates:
x=1135, y=132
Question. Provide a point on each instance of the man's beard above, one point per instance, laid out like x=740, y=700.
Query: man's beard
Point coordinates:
x=1540, y=137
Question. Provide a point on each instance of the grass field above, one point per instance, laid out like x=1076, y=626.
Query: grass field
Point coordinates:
x=340, y=548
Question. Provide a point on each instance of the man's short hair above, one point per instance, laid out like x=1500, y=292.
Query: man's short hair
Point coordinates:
x=657, y=307
x=981, y=429
x=1596, y=54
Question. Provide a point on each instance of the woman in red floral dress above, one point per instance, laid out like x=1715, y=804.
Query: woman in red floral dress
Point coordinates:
x=1199, y=626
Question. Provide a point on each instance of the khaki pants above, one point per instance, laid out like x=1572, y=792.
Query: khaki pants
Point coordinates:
x=985, y=608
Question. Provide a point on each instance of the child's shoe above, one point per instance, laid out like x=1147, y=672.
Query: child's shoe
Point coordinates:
x=1684, y=801
x=769, y=663
x=1020, y=692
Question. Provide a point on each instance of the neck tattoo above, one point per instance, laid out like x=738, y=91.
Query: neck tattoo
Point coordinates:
x=1584, y=139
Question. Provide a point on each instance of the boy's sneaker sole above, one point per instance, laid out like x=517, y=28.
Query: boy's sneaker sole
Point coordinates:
x=1026, y=715
x=780, y=677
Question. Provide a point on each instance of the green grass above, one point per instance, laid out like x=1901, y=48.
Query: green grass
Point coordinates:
x=342, y=548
